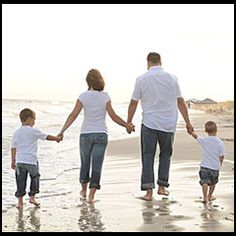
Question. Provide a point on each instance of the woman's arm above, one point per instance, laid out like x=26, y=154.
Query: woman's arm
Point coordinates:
x=70, y=119
x=117, y=119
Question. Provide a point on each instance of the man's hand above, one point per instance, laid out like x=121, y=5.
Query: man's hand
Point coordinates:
x=189, y=128
x=59, y=138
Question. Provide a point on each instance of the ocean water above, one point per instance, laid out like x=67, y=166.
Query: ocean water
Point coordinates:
x=55, y=159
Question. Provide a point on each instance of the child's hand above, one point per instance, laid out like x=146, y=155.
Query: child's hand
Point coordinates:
x=13, y=165
x=59, y=138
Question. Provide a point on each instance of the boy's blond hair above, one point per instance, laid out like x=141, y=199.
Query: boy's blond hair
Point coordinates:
x=210, y=127
x=25, y=114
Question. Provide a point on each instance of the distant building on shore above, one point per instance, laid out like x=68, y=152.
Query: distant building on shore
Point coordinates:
x=200, y=104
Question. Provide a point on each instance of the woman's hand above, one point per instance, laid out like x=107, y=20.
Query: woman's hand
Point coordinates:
x=130, y=127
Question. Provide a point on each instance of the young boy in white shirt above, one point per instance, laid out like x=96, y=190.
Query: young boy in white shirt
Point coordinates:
x=212, y=159
x=24, y=156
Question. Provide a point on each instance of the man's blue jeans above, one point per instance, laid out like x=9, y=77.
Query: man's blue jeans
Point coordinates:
x=149, y=139
x=92, y=149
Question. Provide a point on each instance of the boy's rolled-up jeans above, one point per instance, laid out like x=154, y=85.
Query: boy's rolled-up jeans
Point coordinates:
x=22, y=171
x=149, y=139
x=92, y=149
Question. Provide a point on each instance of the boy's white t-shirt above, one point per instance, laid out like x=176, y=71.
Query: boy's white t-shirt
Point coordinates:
x=212, y=148
x=25, y=142
x=94, y=104
x=158, y=91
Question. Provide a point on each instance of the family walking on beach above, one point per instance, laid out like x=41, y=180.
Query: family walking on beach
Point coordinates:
x=160, y=97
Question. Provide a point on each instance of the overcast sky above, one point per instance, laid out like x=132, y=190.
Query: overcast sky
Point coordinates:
x=49, y=48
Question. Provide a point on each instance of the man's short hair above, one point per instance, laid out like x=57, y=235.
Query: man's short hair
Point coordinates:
x=25, y=114
x=154, y=58
x=210, y=127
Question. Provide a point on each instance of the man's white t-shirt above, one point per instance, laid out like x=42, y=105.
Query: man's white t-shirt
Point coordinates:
x=158, y=91
x=25, y=141
x=94, y=104
x=212, y=148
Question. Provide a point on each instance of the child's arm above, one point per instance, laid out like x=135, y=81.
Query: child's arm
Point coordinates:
x=54, y=138
x=13, y=158
x=119, y=120
x=72, y=116
x=194, y=135
x=221, y=160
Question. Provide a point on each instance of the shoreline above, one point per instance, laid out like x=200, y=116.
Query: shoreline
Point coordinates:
x=117, y=206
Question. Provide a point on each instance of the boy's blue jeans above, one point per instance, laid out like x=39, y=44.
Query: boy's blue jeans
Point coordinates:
x=149, y=139
x=22, y=171
x=92, y=149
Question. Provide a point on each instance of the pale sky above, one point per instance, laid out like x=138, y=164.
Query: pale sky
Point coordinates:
x=47, y=49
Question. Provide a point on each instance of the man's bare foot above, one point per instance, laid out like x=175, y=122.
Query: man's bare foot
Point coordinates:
x=146, y=198
x=83, y=194
x=163, y=191
x=32, y=201
x=19, y=205
x=212, y=198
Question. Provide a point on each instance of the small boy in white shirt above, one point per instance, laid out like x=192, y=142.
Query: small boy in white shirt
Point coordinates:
x=212, y=159
x=24, y=156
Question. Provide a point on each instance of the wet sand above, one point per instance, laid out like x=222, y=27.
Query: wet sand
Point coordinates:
x=118, y=208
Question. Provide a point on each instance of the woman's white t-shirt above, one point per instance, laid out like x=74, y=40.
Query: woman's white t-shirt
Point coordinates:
x=94, y=104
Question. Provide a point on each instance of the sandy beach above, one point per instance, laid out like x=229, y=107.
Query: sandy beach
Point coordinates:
x=118, y=208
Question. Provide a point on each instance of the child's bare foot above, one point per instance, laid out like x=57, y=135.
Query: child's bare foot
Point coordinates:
x=163, y=191
x=19, y=205
x=34, y=202
x=91, y=200
x=83, y=194
x=212, y=198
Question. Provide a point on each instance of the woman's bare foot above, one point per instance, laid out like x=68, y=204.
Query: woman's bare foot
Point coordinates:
x=32, y=201
x=163, y=191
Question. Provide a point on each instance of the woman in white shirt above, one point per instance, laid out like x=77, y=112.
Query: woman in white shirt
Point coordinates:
x=93, y=135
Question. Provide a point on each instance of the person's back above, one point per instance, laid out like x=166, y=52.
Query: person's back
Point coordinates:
x=94, y=104
x=159, y=91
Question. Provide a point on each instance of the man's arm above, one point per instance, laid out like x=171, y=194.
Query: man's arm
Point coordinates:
x=13, y=158
x=184, y=112
x=131, y=110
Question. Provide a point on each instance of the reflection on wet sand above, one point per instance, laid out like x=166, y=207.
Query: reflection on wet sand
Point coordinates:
x=29, y=222
x=90, y=218
x=210, y=216
x=157, y=216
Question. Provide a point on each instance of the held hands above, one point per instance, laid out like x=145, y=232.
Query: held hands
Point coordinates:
x=130, y=127
x=189, y=128
x=60, y=137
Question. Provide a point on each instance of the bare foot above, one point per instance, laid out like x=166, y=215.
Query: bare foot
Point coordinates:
x=83, y=194
x=204, y=201
x=212, y=198
x=163, y=192
x=90, y=201
x=146, y=198
x=19, y=205
x=34, y=202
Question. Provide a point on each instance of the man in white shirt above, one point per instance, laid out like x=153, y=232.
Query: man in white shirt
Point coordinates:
x=161, y=98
